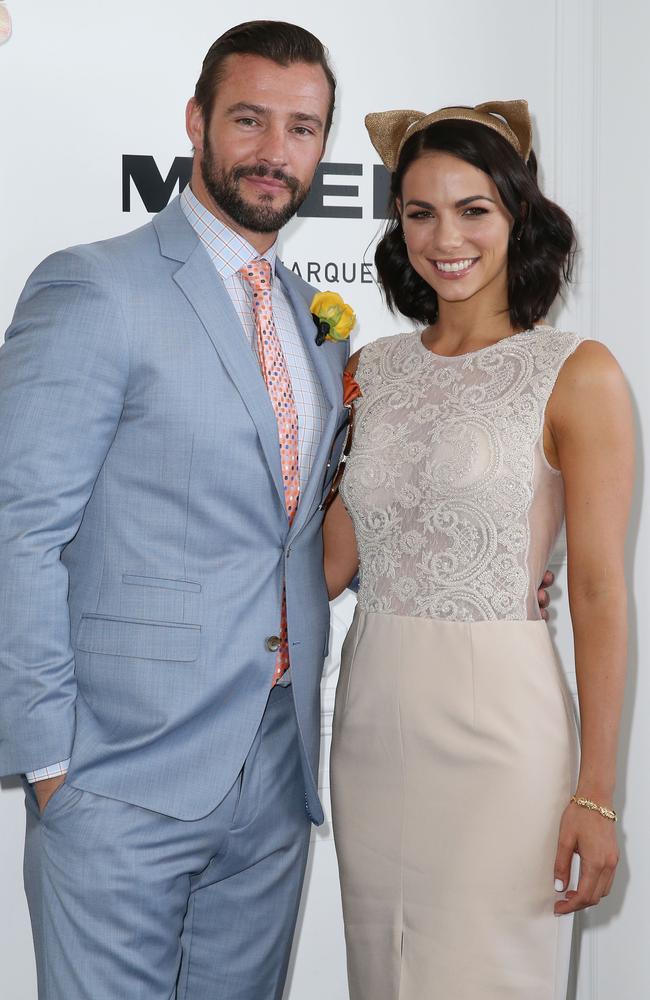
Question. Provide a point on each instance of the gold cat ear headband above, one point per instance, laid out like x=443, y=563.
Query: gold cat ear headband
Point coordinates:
x=389, y=130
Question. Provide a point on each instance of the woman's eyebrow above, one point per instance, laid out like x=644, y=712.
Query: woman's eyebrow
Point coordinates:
x=458, y=204
x=474, y=197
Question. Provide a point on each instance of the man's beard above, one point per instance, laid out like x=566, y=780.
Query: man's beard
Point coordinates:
x=223, y=188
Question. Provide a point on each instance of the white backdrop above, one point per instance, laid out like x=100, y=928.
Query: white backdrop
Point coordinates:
x=82, y=85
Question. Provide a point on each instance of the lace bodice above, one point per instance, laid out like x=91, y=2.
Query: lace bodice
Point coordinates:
x=454, y=504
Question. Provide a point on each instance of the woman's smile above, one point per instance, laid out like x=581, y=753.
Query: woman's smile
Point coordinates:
x=453, y=270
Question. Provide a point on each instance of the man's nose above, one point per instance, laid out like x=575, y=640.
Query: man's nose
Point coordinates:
x=273, y=147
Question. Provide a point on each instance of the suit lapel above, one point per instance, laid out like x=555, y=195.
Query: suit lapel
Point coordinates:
x=329, y=377
x=207, y=295
x=204, y=290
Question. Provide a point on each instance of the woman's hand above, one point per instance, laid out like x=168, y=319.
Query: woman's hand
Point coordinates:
x=593, y=837
x=543, y=598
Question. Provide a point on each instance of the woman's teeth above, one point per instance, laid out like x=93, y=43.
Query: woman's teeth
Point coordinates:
x=458, y=265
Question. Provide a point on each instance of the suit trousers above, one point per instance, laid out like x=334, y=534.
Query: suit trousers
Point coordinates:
x=130, y=903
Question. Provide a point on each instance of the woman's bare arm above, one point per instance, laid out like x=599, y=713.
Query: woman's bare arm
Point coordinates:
x=590, y=438
x=340, y=547
x=341, y=560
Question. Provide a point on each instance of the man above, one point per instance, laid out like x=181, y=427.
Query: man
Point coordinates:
x=168, y=425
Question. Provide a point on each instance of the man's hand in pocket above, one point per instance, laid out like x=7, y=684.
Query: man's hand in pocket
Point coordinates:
x=45, y=789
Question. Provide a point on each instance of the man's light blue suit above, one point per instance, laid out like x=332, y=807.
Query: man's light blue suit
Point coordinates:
x=144, y=543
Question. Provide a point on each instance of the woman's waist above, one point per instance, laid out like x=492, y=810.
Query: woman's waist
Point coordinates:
x=401, y=618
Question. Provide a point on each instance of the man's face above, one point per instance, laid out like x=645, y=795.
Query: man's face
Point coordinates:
x=255, y=159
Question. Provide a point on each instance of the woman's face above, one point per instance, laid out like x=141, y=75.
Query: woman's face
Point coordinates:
x=456, y=228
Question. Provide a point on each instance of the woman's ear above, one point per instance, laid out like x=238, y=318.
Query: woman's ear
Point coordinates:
x=399, y=207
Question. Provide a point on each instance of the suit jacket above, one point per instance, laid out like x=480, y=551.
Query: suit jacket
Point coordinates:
x=143, y=534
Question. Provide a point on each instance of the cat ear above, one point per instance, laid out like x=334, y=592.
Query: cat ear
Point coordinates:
x=388, y=130
x=517, y=117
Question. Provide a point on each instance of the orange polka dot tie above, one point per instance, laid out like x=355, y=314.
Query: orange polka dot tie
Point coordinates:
x=278, y=382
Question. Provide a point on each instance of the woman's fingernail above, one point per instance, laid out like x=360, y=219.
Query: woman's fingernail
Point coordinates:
x=559, y=885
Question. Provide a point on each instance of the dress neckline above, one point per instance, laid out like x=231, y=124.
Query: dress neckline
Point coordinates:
x=479, y=350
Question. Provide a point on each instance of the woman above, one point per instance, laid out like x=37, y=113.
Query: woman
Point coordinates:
x=455, y=756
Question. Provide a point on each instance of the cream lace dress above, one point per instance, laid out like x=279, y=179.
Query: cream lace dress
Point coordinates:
x=454, y=750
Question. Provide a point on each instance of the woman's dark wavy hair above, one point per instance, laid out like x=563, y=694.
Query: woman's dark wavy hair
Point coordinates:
x=542, y=241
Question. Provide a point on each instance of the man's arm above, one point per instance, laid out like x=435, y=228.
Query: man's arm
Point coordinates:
x=63, y=376
x=58, y=770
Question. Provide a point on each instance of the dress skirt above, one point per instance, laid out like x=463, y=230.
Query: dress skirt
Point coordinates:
x=454, y=755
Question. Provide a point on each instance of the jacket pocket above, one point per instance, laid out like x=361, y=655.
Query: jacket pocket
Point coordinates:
x=146, y=640
x=66, y=795
x=157, y=581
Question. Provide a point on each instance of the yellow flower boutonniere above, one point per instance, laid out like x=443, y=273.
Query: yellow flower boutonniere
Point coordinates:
x=333, y=317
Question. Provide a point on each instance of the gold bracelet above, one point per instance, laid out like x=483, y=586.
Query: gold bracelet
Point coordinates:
x=588, y=804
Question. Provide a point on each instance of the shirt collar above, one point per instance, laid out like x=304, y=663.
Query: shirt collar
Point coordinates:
x=229, y=251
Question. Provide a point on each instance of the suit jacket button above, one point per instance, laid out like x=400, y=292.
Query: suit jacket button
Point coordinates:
x=272, y=643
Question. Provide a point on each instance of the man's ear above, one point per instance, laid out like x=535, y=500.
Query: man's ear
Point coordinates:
x=194, y=124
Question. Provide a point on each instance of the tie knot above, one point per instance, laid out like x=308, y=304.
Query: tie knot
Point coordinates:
x=258, y=275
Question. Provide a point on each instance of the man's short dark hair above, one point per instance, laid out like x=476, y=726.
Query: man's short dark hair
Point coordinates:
x=278, y=41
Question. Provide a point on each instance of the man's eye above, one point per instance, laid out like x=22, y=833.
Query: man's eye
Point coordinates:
x=302, y=130
x=246, y=121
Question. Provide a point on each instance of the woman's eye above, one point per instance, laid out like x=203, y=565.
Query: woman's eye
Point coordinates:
x=421, y=214
x=475, y=210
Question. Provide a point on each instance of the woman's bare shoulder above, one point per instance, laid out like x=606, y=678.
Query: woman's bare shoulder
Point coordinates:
x=591, y=377
x=592, y=363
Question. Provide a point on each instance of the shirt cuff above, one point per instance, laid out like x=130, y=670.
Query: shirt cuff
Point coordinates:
x=51, y=771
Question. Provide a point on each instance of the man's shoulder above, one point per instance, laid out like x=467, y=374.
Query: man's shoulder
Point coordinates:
x=100, y=259
x=123, y=256
x=134, y=244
